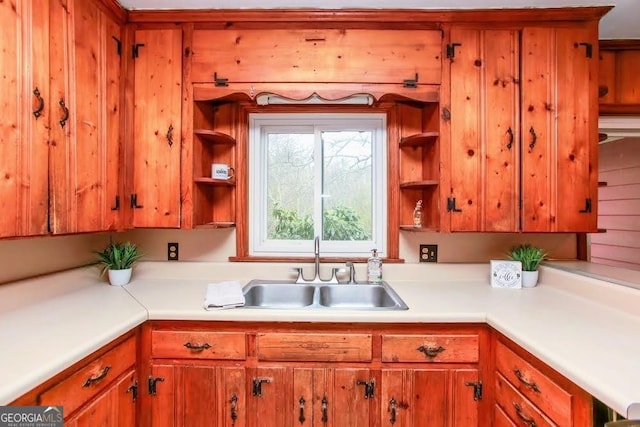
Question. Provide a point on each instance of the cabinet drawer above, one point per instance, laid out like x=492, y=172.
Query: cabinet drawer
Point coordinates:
x=517, y=407
x=314, y=347
x=500, y=419
x=198, y=345
x=430, y=348
x=88, y=381
x=537, y=387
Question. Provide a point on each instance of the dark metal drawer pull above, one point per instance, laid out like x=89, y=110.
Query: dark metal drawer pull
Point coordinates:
x=100, y=377
x=528, y=421
x=431, y=352
x=197, y=347
x=529, y=384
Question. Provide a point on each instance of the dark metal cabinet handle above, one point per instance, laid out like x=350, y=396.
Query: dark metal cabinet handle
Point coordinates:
x=510, y=133
x=197, y=347
x=234, y=408
x=65, y=113
x=528, y=421
x=529, y=384
x=534, y=138
x=37, y=112
x=325, y=406
x=301, y=417
x=393, y=405
x=170, y=135
x=99, y=377
x=431, y=352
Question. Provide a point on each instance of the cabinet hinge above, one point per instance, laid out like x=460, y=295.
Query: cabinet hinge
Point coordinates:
x=118, y=45
x=134, y=202
x=451, y=205
x=369, y=388
x=587, y=206
x=588, y=49
x=220, y=81
x=451, y=50
x=411, y=83
x=152, y=386
x=477, y=389
x=133, y=389
x=135, y=49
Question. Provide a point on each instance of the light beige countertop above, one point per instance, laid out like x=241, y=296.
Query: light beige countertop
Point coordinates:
x=586, y=329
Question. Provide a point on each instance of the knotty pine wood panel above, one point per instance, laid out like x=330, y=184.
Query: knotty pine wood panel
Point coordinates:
x=501, y=132
x=314, y=347
x=576, y=118
x=24, y=32
x=538, y=75
x=318, y=56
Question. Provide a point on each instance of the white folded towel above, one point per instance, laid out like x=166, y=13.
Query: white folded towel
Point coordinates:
x=223, y=295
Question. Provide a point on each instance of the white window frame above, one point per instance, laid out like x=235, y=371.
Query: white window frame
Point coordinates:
x=259, y=245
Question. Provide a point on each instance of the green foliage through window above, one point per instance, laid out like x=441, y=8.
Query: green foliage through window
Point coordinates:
x=340, y=223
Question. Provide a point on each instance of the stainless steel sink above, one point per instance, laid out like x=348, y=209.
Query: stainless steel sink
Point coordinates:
x=270, y=294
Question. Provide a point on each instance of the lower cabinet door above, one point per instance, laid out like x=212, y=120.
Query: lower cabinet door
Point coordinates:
x=115, y=407
x=197, y=395
x=429, y=397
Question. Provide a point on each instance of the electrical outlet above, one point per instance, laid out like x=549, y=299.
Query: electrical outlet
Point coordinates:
x=172, y=251
x=428, y=253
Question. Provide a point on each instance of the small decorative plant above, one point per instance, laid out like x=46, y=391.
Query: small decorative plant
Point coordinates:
x=530, y=256
x=118, y=256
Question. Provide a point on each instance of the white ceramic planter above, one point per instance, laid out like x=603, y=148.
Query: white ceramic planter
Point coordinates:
x=529, y=279
x=119, y=277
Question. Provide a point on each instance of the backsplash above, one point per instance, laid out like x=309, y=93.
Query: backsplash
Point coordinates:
x=28, y=257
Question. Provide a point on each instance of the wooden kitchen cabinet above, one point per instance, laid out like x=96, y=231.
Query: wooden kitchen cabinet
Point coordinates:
x=101, y=389
x=85, y=126
x=157, y=135
x=434, y=388
x=24, y=84
x=269, y=374
x=419, y=164
x=523, y=129
x=325, y=55
x=215, y=126
x=60, y=150
x=528, y=392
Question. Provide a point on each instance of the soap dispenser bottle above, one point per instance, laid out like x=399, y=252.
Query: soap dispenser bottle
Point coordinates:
x=374, y=267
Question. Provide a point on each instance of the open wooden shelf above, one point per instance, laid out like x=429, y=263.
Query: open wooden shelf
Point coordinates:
x=418, y=229
x=216, y=225
x=419, y=140
x=214, y=137
x=419, y=184
x=211, y=181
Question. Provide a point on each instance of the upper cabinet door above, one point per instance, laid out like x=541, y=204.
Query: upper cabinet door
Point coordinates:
x=559, y=129
x=484, y=131
x=157, y=140
x=86, y=105
x=24, y=84
x=317, y=56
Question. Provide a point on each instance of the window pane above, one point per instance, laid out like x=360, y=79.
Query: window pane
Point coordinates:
x=290, y=171
x=346, y=185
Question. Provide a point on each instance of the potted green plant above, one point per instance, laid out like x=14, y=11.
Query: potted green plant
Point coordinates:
x=117, y=259
x=530, y=256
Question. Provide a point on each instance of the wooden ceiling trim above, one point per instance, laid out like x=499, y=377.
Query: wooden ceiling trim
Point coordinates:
x=341, y=17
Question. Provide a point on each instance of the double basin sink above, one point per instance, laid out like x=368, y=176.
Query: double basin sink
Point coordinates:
x=270, y=294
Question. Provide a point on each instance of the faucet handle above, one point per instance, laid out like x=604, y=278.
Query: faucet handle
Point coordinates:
x=352, y=272
x=298, y=272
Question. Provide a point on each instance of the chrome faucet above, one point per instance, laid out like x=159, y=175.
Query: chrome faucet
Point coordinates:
x=316, y=264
